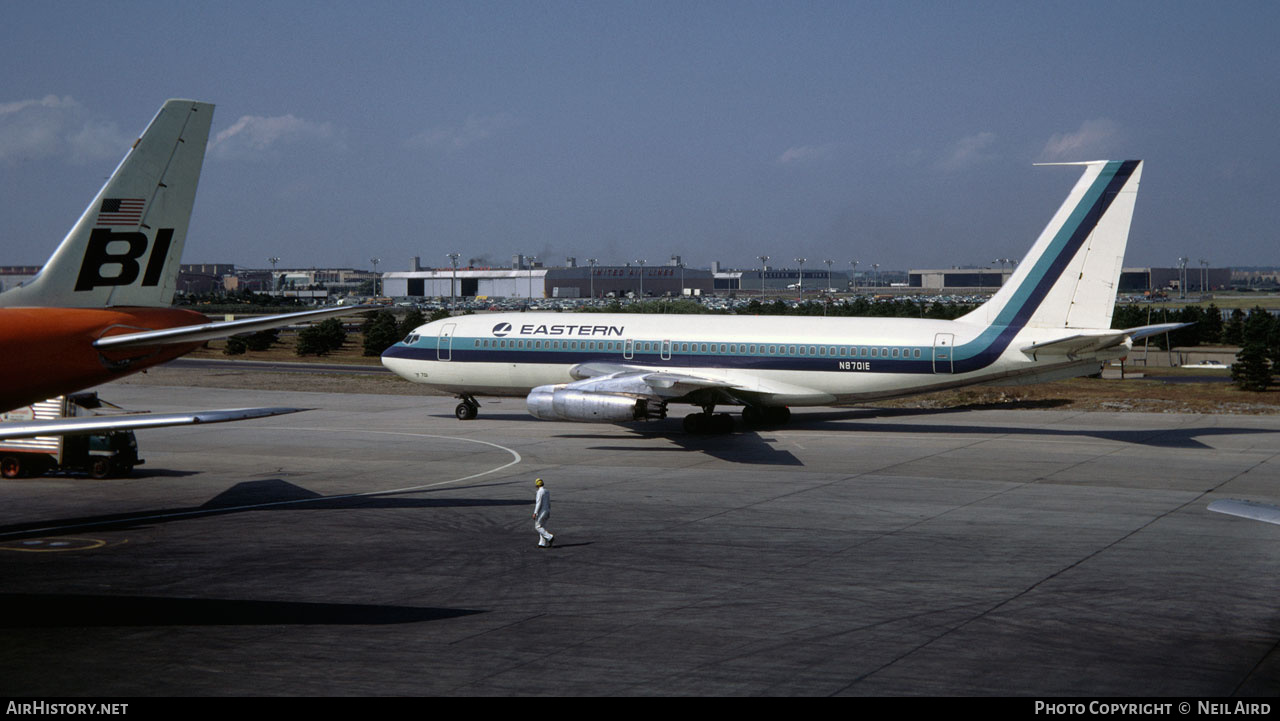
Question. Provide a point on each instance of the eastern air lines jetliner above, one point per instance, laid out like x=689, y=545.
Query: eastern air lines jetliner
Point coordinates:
x=1052, y=320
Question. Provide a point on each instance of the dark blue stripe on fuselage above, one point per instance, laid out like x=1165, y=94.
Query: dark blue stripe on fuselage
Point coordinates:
x=740, y=362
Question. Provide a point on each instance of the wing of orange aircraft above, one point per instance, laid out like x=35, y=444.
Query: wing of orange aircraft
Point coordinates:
x=99, y=309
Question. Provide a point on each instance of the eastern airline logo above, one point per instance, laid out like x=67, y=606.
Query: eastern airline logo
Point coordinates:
x=503, y=329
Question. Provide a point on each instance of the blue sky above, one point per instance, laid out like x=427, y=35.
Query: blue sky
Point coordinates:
x=898, y=133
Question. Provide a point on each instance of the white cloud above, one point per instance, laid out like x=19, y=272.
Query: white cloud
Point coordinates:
x=451, y=139
x=255, y=134
x=48, y=101
x=809, y=153
x=54, y=127
x=968, y=151
x=1090, y=142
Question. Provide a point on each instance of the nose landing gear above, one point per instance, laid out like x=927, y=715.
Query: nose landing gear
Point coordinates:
x=468, y=409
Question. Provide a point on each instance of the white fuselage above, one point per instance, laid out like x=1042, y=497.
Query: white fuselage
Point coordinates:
x=825, y=360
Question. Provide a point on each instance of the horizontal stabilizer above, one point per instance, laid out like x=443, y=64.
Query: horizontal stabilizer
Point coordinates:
x=1157, y=329
x=1247, y=509
x=1085, y=343
x=132, y=421
x=213, y=331
x=1075, y=345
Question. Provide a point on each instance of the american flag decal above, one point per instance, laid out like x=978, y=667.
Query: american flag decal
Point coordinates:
x=121, y=211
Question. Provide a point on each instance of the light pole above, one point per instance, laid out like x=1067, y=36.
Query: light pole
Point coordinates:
x=273, y=260
x=1182, y=276
x=1204, y=276
x=453, y=257
x=680, y=262
x=853, y=274
x=532, y=258
x=876, y=268
x=592, y=262
x=641, y=262
x=375, y=262
x=764, y=265
x=1003, y=262
x=800, y=285
x=829, y=261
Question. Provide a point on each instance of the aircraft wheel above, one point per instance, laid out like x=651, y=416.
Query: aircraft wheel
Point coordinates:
x=777, y=416
x=706, y=423
x=752, y=416
x=100, y=468
x=11, y=467
x=722, y=423
x=466, y=412
x=695, y=423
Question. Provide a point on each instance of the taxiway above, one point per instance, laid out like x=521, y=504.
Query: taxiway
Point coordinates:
x=377, y=546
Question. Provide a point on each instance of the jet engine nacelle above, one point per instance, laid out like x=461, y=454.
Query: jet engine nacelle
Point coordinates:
x=562, y=404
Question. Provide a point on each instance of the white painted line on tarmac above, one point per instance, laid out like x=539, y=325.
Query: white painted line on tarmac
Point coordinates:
x=516, y=458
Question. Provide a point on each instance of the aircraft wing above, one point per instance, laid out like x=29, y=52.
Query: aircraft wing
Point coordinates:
x=1247, y=509
x=666, y=385
x=132, y=421
x=213, y=331
x=1083, y=343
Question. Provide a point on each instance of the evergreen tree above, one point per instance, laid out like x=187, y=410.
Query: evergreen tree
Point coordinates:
x=1252, y=369
x=321, y=338
x=262, y=340
x=412, y=319
x=1211, y=325
x=1233, y=329
x=381, y=333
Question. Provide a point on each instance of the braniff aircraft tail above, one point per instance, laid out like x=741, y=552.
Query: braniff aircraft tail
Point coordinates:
x=1068, y=279
x=126, y=248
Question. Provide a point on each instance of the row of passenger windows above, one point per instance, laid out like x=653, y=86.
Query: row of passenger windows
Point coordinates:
x=730, y=348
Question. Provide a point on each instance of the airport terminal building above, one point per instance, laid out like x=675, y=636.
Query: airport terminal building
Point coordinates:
x=532, y=280
x=1132, y=280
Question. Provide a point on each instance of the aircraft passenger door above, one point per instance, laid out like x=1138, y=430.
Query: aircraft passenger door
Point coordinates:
x=666, y=350
x=628, y=349
x=444, y=345
x=943, y=349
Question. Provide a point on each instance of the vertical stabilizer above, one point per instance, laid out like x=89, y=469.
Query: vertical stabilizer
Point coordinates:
x=1070, y=276
x=126, y=248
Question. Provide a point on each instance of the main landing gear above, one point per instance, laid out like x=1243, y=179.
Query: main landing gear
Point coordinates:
x=766, y=415
x=709, y=422
x=468, y=409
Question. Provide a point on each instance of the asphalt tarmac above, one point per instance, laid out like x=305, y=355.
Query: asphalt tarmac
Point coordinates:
x=377, y=546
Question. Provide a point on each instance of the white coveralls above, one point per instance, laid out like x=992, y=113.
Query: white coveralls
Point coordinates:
x=541, y=512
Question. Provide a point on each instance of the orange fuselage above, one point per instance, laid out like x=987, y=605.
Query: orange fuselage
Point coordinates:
x=49, y=351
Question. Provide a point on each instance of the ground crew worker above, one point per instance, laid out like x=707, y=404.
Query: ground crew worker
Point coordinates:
x=541, y=512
